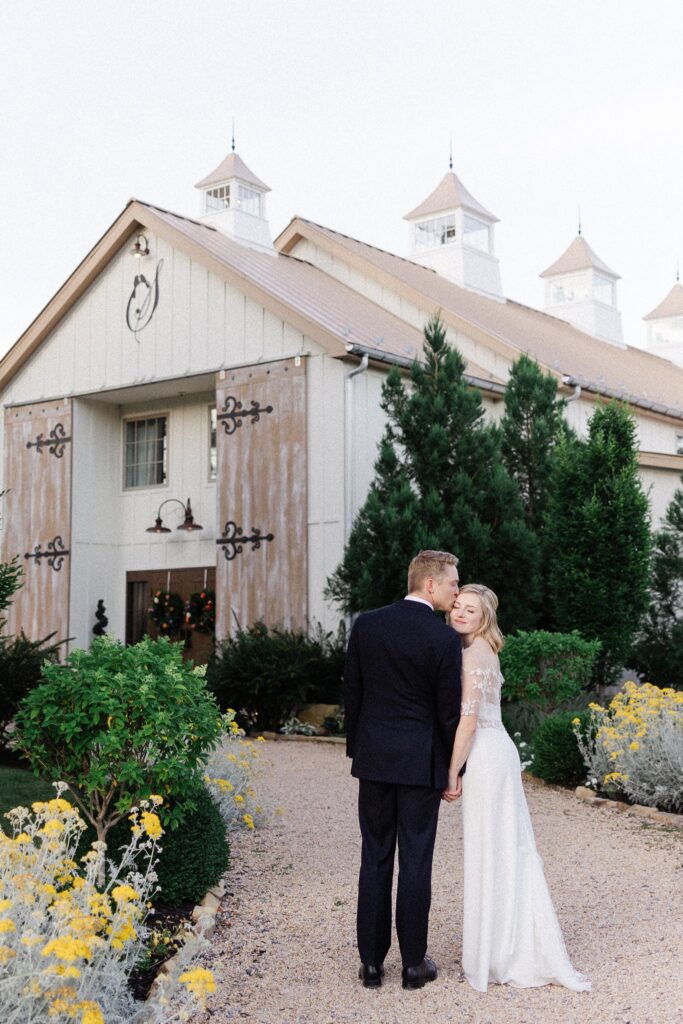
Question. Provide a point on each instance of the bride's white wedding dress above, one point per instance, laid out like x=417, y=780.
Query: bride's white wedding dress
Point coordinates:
x=510, y=931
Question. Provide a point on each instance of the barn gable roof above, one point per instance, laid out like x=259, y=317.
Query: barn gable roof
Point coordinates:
x=629, y=373
x=323, y=308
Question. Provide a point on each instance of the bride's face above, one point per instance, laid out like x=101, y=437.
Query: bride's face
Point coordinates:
x=467, y=614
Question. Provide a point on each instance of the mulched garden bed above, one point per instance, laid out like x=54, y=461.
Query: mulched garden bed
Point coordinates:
x=166, y=922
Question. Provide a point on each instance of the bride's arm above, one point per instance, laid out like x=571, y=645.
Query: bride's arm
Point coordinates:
x=467, y=726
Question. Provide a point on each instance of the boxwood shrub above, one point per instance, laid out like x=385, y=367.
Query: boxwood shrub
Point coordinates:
x=194, y=856
x=557, y=757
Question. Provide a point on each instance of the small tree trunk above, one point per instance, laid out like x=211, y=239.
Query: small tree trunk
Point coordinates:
x=102, y=830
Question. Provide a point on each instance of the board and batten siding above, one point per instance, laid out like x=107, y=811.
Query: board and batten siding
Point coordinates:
x=36, y=515
x=261, y=496
x=201, y=323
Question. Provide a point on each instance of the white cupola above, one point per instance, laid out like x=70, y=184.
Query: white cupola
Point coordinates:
x=582, y=289
x=453, y=234
x=665, y=326
x=233, y=200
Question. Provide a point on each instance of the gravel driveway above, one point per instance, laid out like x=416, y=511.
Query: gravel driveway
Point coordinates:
x=284, y=950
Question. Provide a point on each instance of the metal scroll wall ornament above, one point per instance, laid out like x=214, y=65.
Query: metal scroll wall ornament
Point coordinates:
x=233, y=540
x=54, y=552
x=233, y=413
x=55, y=442
x=143, y=301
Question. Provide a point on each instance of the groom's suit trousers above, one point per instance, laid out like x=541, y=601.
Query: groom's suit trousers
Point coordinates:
x=391, y=813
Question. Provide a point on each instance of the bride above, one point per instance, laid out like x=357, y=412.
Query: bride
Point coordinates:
x=510, y=932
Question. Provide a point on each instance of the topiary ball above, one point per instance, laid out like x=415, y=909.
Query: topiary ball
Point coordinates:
x=557, y=757
x=195, y=855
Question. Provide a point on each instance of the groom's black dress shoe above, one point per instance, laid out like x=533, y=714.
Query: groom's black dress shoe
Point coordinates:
x=417, y=977
x=370, y=975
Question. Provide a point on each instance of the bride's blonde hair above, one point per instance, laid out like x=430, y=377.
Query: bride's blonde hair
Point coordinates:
x=489, y=628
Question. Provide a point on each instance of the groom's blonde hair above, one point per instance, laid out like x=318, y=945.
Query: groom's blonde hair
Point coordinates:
x=428, y=564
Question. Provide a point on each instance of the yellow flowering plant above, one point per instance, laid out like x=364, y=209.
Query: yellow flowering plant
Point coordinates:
x=68, y=945
x=635, y=745
x=230, y=772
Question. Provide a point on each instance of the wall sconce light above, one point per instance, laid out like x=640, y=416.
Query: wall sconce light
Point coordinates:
x=141, y=247
x=188, y=523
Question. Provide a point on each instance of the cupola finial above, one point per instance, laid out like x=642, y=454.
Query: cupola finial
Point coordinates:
x=233, y=134
x=579, y=218
x=450, y=158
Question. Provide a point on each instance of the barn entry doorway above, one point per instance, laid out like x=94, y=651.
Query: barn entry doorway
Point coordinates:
x=184, y=584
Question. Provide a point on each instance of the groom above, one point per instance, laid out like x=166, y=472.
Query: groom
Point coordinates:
x=402, y=699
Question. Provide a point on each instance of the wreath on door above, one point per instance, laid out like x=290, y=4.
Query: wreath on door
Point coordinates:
x=200, y=611
x=167, y=612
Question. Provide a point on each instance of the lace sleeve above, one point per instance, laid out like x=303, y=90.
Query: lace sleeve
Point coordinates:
x=474, y=673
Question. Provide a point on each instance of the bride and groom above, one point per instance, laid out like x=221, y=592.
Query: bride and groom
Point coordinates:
x=423, y=724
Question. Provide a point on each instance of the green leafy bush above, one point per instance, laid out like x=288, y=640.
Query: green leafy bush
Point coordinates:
x=119, y=723
x=265, y=674
x=547, y=669
x=543, y=672
x=556, y=754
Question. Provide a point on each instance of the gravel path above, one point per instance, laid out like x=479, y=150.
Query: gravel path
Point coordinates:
x=284, y=950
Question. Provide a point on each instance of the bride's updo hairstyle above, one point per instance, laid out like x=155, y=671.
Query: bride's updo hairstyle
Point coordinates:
x=489, y=628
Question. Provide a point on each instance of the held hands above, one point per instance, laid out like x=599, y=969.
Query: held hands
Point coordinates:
x=454, y=790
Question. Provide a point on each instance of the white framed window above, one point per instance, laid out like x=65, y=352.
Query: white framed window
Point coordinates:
x=679, y=444
x=569, y=289
x=248, y=200
x=213, y=451
x=145, y=460
x=430, y=234
x=603, y=290
x=218, y=198
x=476, y=233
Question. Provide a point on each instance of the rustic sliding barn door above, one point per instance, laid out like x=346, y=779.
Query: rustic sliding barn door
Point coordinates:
x=261, y=494
x=36, y=515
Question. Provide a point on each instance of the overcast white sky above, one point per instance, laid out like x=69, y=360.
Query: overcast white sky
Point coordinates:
x=345, y=109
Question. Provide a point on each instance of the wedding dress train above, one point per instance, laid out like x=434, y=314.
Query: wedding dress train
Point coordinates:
x=511, y=934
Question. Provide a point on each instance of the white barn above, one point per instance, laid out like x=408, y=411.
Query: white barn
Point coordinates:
x=196, y=361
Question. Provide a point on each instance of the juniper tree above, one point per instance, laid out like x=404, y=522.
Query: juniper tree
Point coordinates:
x=439, y=483
x=532, y=425
x=658, y=650
x=597, y=527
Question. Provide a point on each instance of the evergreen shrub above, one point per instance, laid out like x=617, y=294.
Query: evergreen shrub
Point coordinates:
x=439, y=483
x=657, y=653
x=21, y=662
x=193, y=857
x=597, y=528
x=267, y=673
x=556, y=754
x=21, y=659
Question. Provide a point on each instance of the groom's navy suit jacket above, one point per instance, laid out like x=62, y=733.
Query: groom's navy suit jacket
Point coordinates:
x=402, y=695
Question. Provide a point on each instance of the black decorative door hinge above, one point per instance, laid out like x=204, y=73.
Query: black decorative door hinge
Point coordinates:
x=233, y=413
x=54, y=552
x=55, y=442
x=233, y=540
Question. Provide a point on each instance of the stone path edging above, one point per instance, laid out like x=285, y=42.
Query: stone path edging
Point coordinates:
x=589, y=796
x=298, y=738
